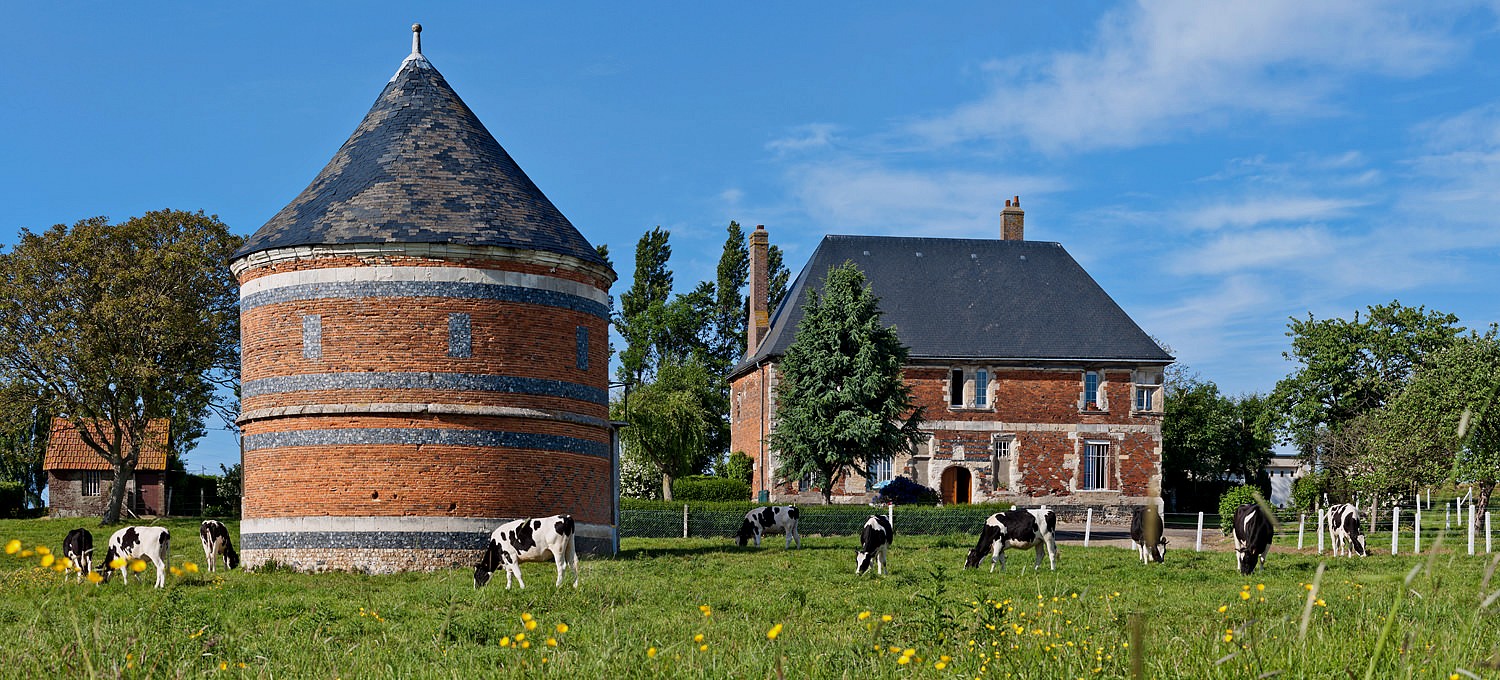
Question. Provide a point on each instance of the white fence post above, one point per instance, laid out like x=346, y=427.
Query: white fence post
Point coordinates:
x=1448, y=516
x=1301, y=525
x=1199, y=545
x=1416, y=534
x=1395, y=528
x=684, y=520
x=1088, y=526
x=890, y=513
x=1486, y=532
x=1320, y=531
x=1471, y=528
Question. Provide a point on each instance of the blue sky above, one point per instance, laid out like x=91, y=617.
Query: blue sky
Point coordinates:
x=1217, y=167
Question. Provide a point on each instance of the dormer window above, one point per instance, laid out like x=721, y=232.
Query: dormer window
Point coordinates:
x=1148, y=391
x=968, y=388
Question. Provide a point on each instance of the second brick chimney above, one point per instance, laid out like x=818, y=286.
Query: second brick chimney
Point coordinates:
x=1012, y=221
x=759, y=322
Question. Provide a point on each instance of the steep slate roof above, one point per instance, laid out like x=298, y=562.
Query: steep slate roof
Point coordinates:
x=66, y=450
x=421, y=168
x=974, y=299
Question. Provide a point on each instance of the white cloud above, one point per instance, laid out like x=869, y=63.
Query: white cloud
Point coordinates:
x=1256, y=211
x=804, y=138
x=1161, y=68
x=872, y=199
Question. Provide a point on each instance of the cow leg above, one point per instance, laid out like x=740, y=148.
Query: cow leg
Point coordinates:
x=161, y=571
x=1041, y=547
x=560, y=557
x=573, y=558
x=514, y=567
x=208, y=555
x=1052, y=552
x=798, y=532
x=880, y=566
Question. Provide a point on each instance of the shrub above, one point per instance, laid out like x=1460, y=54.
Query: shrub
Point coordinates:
x=740, y=466
x=1308, y=489
x=704, y=488
x=903, y=491
x=12, y=499
x=1232, y=500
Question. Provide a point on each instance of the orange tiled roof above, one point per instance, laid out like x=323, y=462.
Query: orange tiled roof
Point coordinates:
x=66, y=450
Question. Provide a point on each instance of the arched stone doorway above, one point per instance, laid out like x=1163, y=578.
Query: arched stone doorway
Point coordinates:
x=957, y=485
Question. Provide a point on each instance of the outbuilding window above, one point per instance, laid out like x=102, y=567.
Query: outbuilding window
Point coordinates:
x=91, y=482
x=1096, y=467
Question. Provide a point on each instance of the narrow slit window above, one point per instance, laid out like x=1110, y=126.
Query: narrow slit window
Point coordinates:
x=460, y=337
x=312, y=336
x=582, y=360
x=1091, y=390
x=956, y=388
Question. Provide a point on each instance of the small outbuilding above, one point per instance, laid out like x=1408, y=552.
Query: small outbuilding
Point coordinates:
x=79, y=480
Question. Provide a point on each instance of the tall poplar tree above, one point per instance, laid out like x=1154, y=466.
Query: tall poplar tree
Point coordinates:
x=843, y=401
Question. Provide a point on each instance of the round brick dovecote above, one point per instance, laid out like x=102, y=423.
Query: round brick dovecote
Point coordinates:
x=424, y=345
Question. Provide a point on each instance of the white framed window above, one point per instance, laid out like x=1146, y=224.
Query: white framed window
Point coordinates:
x=91, y=482
x=1096, y=467
x=880, y=470
x=981, y=387
x=1000, y=459
x=1091, y=389
x=1145, y=397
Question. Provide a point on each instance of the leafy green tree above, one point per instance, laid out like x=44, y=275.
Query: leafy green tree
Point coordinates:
x=778, y=276
x=739, y=465
x=24, y=430
x=1207, y=436
x=1350, y=368
x=643, y=306
x=842, y=399
x=668, y=421
x=1446, y=423
x=118, y=325
x=230, y=487
x=727, y=340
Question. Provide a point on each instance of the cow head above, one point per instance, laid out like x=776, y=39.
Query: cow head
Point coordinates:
x=1247, y=560
x=862, y=561
x=487, y=565
x=987, y=537
x=232, y=557
x=1358, y=541
x=1158, y=552
x=746, y=532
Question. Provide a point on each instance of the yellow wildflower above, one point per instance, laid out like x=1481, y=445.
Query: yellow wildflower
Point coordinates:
x=27, y=553
x=47, y=560
x=698, y=637
x=505, y=641
x=525, y=644
x=1244, y=594
x=13, y=546
x=864, y=615
x=707, y=610
x=116, y=563
x=651, y=652
x=531, y=625
x=175, y=571
x=94, y=577
x=189, y=567
x=138, y=566
x=1223, y=608
x=223, y=665
x=775, y=631
x=702, y=648
x=904, y=660
x=43, y=550
x=520, y=637
x=885, y=617
x=551, y=642
x=562, y=628
x=525, y=617
x=1260, y=586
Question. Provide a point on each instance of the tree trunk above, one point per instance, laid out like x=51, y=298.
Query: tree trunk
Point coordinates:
x=666, y=486
x=1482, y=503
x=124, y=470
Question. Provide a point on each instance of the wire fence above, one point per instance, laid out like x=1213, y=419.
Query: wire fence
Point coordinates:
x=823, y=520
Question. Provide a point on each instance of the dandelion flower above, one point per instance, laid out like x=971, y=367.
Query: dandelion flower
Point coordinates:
x=116, y=563
x=651, y=652
x=505, y=641
x=47, y=560
x=1244, y=594
x=702, y=648
x=175, y=571
x=1228, y=637
x=775, y=631
x=885, y=617
x=67, y=563
x=27, y=553
x=904, y=660
x=43, y=550
x=1260, y=586
x=525, y=616
x=94, y=577
x=531, y=625
x=864, y=615
x=13, y=547
x=562, y=628
x=525, y=644
x=223, y=665
x=520, y=637
x=138, y=566
x=707, y=610
x=189, y=567
x=1223, y=608
x=698, y=637
x=551, y=642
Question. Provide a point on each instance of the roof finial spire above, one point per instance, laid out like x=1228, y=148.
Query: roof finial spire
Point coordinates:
x=416, y=38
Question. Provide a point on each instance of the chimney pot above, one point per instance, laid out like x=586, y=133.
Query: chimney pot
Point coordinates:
x=1012, y=221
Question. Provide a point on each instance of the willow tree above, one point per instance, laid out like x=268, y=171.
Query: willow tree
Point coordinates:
x=668, y=421
x=118, y=325
x=842, y=401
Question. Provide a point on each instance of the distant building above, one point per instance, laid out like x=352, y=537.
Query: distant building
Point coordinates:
x=80, y=481
x=425, y=351
x=1038, y=388
x=1284, y=472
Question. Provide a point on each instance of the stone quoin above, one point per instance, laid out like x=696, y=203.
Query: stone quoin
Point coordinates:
x=424, y=347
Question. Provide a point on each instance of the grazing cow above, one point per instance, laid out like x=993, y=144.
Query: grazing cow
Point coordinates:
x=1252, y=536
x=1148, y=535
x=215, y=543
x=874, y=539
x=1020, y=529
x=147, y=543
x=528, y=540
x=774, y=519
x=1343, y=528
x=78, y=547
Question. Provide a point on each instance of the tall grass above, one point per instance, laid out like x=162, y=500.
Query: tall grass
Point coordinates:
x=638, y=615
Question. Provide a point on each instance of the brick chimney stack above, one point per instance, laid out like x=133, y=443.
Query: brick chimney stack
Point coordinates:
x=1012, y=221
x=760, y=289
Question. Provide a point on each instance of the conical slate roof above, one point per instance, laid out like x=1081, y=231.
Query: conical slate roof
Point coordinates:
x=421, y=168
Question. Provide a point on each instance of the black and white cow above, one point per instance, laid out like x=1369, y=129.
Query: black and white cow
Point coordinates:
x=215, y=537
x=145, y=543
x=1343, y=529
x=776, y=519
x=1252, y=536
x=1020, y=529
x=78, y=547
x=1148, y=535
x=874, y=540
x=528, y=540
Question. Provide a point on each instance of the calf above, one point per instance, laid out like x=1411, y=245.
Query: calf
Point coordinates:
x=148, y=543
x=1020, y=529
x=528, y=540
x=1252, y=536
x=216, y=542
x=874, y=539
x=78, y=547
x=1343, y=528
x=1148, y=535
x=770, y=520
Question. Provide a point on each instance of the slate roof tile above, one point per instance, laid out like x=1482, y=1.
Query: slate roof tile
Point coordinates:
x=66, y=450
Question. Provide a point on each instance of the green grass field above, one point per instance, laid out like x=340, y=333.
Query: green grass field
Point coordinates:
x=639, y=615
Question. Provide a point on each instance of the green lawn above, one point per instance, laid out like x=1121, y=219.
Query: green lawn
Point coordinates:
x=1072, y=623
